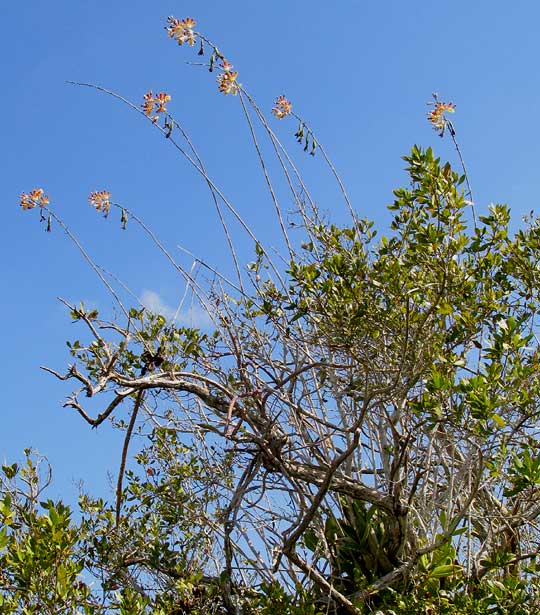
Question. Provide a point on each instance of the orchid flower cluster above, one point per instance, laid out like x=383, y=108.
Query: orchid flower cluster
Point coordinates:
x=36, y=198
x=182, y=30
x=101, y=201
x=282, y=107
x=155, y=103
x=436, y=117
x=227, y=79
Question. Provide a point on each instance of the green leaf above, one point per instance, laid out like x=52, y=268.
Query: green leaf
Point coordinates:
x=10, y=471
x=440, y=572
x=499, y=420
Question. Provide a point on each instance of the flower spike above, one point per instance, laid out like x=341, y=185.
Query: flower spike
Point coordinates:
x=101, y=201
x=182, y=30
x=36, y=198
x=283, y=107
x=436, y=117
x=151, y=102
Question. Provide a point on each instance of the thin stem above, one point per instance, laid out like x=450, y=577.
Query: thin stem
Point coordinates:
x=266, y=176
x=216, y=203
x=88, y=259
x=452, y=132
x=333, y=170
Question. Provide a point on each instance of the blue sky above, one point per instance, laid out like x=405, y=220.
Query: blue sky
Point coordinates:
x=359, y=72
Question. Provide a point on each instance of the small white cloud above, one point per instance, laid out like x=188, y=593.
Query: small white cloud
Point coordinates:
x=153, y=302
x=194, y=316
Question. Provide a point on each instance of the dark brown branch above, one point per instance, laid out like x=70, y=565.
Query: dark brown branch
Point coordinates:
x=136, y=406
x=73, y=403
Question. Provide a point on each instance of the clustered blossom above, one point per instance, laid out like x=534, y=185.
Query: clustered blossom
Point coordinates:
x=436, y=116
x=227, y=80
x=283, y=107
x=36, y=198
x=101, y=201
x=182, y=30
x=156, y=103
